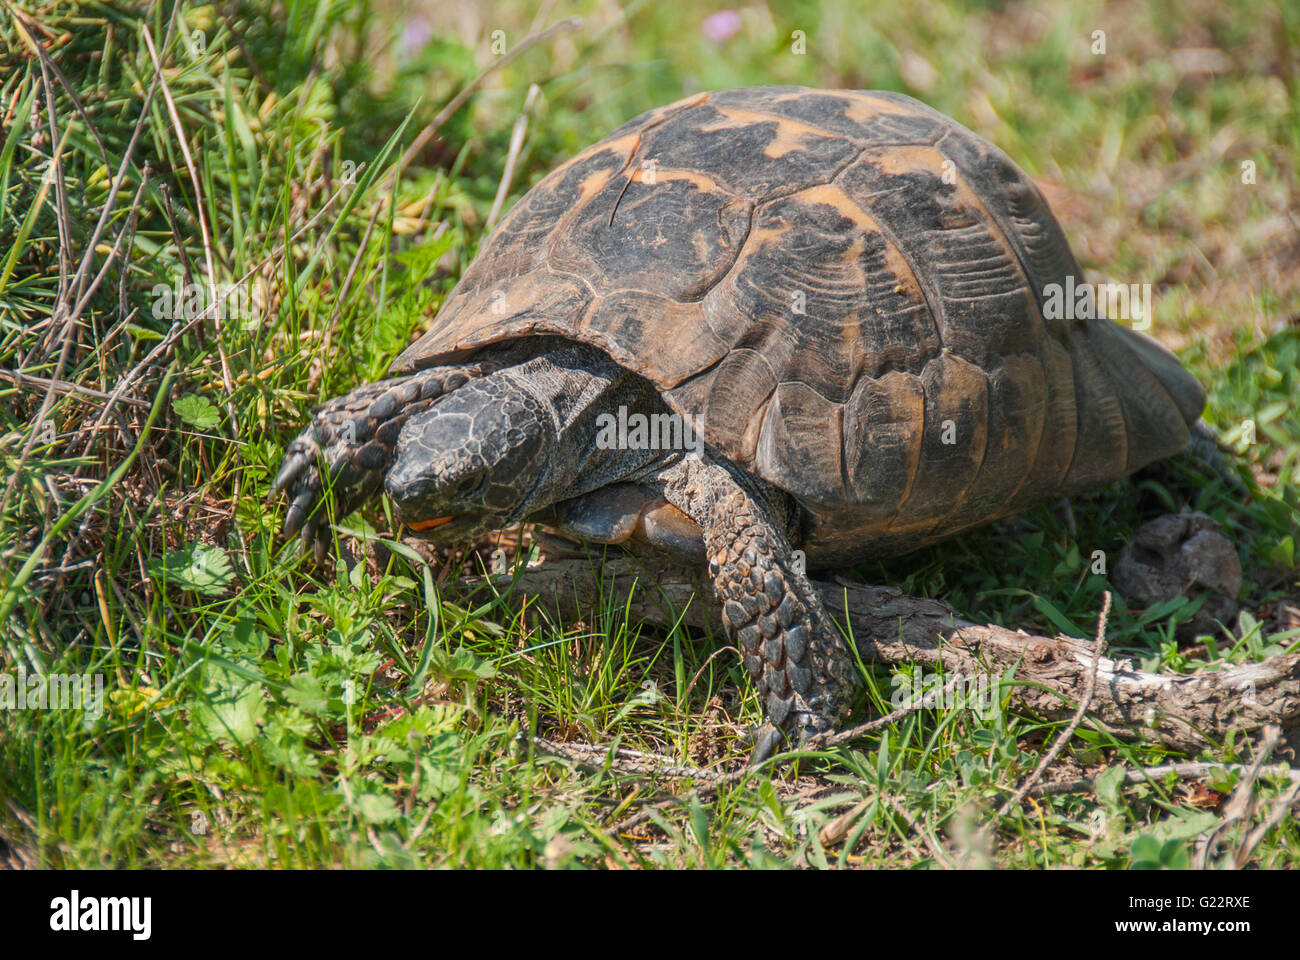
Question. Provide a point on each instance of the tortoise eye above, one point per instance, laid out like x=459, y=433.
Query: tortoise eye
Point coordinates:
x=469, y=488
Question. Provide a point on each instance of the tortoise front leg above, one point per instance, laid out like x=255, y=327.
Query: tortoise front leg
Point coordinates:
x=350, y=444
x=802, y=669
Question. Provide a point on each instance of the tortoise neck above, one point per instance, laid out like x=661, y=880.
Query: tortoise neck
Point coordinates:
x=581, y=391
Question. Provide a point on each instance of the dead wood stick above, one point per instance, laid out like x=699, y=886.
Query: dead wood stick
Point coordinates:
x=1182, y=771
x=1186, y=712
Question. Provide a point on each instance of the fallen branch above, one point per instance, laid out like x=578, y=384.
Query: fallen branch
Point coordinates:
x=1180, y=771
x=1186, y=712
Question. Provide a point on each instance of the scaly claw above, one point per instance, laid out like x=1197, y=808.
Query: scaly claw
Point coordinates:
x=300, y=508
x=349, y=446
x=297, y=459
x=766, y=740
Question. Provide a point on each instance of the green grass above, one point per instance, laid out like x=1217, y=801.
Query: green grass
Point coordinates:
x=261, y=711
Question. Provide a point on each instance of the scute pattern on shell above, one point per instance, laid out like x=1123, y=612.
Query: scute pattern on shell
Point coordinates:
x=848, y=287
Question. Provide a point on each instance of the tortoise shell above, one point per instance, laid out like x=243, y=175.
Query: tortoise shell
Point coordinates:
x=848, y=287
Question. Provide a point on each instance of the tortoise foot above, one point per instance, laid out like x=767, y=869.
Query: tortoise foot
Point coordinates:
x=343, y=455
x=803, y=671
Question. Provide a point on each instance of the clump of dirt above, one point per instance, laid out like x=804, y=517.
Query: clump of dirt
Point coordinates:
x=1182, y=554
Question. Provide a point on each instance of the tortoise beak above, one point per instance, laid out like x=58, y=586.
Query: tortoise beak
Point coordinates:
x=430, y=524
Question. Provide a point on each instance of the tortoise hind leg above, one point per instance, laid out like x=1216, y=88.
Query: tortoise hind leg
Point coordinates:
x=802, y=669
x=350, y=444
x=1206, y=450
x=1202, y=462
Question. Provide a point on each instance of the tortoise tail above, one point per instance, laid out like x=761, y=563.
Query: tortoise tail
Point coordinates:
x=1135, y=403
x=1182, y=387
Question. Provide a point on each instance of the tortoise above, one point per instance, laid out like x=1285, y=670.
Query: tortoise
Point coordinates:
x=822, y=314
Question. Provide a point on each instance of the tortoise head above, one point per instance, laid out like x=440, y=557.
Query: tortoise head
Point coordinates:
x=471, y=463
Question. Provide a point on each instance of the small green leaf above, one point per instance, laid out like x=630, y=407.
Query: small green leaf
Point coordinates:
x=1174, y=855
x=376, y=808
x=1108, y=783
x=232, y=714
x=199, y=412
x=201, y=567
x=983, y=738
x=1282, y=553
x=142, y=333
x=461, y=664
x=306, y=691
x=1145, y=853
